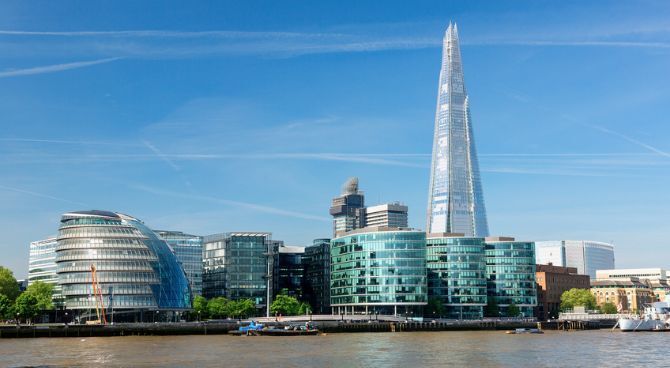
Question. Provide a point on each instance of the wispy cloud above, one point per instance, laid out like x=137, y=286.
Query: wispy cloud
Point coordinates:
x=40, y=195
x=228, y=202
x=162, y=156
x=632, y=140
x=55, y=68
x=568, y=43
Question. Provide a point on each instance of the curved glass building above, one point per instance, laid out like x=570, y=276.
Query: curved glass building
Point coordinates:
x=378, y=270
x=135, y=268
x=457, y=274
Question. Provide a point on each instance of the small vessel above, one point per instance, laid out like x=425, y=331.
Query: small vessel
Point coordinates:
x=519, y=331
x=656, y=317
x=254, y=329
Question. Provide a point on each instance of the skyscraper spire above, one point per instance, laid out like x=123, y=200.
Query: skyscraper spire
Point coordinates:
x=455, y=198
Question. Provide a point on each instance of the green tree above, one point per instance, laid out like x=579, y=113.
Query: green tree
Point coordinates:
x=26, y=306
x=6, y=307
x=8, y=285
x=43, y=292
x=435, y=308
x=285, y=305
x=218, y=307
x=242, y=308
x=304, y=308
x=608, y=308
x=513, y=310
x=200, y=306
x=577, y=297
x=492, y=309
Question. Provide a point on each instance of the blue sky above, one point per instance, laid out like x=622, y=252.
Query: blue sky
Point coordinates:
x=235, y=116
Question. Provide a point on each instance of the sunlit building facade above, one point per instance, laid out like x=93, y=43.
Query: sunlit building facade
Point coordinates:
x=586, y=256
x=455, y=199
x=135, y=268
x=457, y=274
x=42, y=265
x=379, y=270
x=510, y=274
x=237, y=265
x=188, y=249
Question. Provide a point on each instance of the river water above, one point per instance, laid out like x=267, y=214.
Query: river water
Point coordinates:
x=407, y=349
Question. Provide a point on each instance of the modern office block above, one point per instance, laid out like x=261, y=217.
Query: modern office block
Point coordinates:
x=42, y=266
x=626, y=273
x=238, y=265
x=348, y=209
x=510, y=274
x=135, y=268
x=586, y=256
x=457, y=274
x=379, y=270
x=386, y=215
x=317, y=276
x=288, y=271
x=455, y=199
x=188, y=249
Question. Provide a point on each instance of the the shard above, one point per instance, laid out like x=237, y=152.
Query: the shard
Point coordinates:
x=455, y=200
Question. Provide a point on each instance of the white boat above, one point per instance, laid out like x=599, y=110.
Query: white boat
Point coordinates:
x=656, y=317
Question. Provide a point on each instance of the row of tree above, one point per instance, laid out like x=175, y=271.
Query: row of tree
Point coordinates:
x=221, y=307
x=17, y=305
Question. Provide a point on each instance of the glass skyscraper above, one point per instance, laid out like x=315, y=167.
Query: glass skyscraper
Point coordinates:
x=455, y=199
x=317, y=275
x=135, y=268
x=188, y=249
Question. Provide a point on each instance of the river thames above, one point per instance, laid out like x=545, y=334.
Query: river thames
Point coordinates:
x=408, y=349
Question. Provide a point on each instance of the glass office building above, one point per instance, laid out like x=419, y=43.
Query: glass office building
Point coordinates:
x=188, y=249
x=378, y=270
x=457, y=274
x=586, y=256
x=317, y=275
x=288, y=271
x=237, y=266
x=510, y=273
x=136, y=269
x=455, y=199
x=42, y=266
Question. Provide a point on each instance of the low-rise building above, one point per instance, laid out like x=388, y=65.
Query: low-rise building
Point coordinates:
x=629, y=296
x=627, y=273
x=552, y=281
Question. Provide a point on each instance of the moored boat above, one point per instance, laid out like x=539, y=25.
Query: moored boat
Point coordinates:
x=656, y=317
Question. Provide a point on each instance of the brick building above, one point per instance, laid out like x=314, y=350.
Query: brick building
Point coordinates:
x=551, y=282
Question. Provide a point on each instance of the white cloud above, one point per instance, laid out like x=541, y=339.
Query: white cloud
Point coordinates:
x=55, y=68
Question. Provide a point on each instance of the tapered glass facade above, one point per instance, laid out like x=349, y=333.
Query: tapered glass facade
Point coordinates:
x=455, y=199
x=378, y=271
x=457, y=275
x=135, y=268
x=510, y=271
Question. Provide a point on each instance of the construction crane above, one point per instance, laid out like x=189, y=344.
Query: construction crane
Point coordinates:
x=97, y=294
